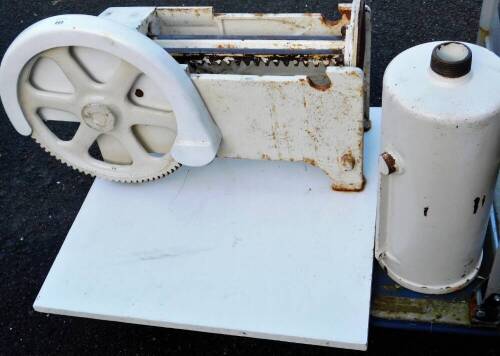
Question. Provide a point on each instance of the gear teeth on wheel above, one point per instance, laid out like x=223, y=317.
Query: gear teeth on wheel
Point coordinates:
x=169, y=170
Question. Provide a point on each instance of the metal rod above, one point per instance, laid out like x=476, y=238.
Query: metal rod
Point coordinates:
x=247, y=37
x=252, y=51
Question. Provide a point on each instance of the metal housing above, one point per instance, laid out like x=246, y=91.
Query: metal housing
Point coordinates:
x=279, y=86
x=439, y=163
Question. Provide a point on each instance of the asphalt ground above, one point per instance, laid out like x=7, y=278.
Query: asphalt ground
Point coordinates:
x=39, y=199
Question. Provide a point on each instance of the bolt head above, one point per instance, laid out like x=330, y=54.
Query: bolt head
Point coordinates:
x=98, y=116
x=347, y=161
x=387, y=164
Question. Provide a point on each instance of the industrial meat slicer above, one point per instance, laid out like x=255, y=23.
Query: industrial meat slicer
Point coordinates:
x=285, y=178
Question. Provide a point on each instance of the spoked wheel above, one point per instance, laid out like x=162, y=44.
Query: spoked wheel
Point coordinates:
x=105, y=99
x=113, y=104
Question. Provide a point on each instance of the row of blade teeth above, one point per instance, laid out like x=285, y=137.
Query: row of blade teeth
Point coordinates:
x=264, y=61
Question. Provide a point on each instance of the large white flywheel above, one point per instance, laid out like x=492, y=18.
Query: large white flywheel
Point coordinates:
x=80, y=82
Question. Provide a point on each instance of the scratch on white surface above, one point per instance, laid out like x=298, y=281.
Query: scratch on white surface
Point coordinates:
x=181, y=187
x=158, y=255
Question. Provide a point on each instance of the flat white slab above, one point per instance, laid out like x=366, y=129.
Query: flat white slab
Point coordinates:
x=256, y=248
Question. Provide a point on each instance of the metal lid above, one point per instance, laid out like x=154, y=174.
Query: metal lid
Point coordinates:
x=451, y=59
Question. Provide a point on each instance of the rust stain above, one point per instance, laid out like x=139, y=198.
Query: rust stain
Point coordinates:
x=483, y=33
x=195, y=10
x=229, y=45
x=390, y=161
x=336, y=57
x=319, y=86
x=348, y=188
x=274, y=128
x=347, y=161
x=312, y=135
x=328, y=22
x=345, y=11
x=425, y=310
x=305, y=103
x=392, y=287
x=355, y=74
x=266, y=157
x=361, y=130
x=310, y=161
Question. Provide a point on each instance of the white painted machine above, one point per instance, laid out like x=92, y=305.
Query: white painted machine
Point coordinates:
x=161, y=87
x=257, y=108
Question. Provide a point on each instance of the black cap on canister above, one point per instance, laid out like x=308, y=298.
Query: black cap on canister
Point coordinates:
x=451, y=59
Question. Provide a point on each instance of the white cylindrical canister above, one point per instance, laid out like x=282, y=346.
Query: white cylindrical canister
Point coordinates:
x=439, y=163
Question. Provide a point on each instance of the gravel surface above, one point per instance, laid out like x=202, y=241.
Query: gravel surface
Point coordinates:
x=39, y=199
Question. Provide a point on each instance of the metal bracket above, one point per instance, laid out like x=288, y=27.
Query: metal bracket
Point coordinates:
x=487, y=298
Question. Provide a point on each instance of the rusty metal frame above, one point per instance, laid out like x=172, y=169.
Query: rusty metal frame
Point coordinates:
x=271, y=111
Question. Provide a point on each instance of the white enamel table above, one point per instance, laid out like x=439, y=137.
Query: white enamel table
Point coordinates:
x=256, y=248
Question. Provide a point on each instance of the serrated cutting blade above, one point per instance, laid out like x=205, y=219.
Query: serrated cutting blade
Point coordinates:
x=260, y=66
